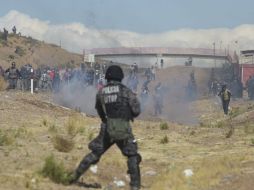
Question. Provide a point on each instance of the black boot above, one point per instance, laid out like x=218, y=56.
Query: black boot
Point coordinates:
x=87, y=161
x=73, y=177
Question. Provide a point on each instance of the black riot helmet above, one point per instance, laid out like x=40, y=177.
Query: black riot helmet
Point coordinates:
x=114, y=72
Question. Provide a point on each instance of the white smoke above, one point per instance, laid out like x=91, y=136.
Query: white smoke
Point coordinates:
x=76, y=36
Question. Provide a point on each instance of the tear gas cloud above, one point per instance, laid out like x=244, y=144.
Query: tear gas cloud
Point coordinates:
x=176, y=102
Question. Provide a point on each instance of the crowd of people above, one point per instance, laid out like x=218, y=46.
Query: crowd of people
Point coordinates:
x=52, y=79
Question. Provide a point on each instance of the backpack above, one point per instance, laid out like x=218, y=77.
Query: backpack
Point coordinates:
x=117, y=128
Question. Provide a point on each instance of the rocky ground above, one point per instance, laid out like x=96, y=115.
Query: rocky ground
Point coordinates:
x=216, y=154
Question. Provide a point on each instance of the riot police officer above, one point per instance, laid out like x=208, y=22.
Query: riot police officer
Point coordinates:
x=117, y=106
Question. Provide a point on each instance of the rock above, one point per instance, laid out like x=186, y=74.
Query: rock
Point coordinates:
x=188, y=172
x=151, y=173
x=119, y=183
x=94, y=169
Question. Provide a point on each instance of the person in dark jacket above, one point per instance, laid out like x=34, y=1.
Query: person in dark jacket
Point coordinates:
x=225, y=95
x=116, y=105
x=13, y=76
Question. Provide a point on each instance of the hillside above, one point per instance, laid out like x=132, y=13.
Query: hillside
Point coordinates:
x=30, y=125
x=25, y=50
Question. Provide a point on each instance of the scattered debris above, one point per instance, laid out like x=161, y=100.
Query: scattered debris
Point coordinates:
x=94, y=169
x=188, y=173
x=119, y=183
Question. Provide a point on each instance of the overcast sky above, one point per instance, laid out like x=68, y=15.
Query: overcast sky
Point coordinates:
x=82, y=24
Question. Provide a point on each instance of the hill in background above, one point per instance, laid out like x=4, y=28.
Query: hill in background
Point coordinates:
x=24, y=50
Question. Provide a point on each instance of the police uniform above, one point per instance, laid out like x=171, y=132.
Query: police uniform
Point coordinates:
x=114, y=101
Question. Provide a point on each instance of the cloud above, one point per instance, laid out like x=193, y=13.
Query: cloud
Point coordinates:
x=76, y=36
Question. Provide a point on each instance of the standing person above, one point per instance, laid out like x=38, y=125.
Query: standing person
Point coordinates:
x=116, y=105
x=14, y=30
x=153, y=71
x=5, y=35
x=13, y=76
x=225, y=95
x=158, y=99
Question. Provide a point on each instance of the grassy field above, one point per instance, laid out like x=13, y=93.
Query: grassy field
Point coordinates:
x=219, y=150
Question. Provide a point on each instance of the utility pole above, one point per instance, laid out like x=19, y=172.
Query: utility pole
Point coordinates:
x=214, y=54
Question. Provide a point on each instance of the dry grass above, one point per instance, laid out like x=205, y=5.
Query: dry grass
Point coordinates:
x=9, y=136
x=63, y=143
x=6, y=138
x=249, y=127
x=75, y=124
x=207, y=173
x=206, y=151
x=164, y=140
x=3, y=84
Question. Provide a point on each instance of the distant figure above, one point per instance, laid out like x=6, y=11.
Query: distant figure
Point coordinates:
x=192, y=87
x=1, y=71
x=26, y=75
x=215, y=87
x=156, y=65
x=104, y=68
x=135, y=67
x=250, y=87
x=162, y=63
x=236, y=88
x=189, y=62
x=144, y=94
x=225, y=95
x=14, y=30
x=153, y=72
x=13, y=76
x=158, y=99
x=5, y=35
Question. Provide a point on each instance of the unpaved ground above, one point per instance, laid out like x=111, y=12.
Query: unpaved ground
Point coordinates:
x=30, y=122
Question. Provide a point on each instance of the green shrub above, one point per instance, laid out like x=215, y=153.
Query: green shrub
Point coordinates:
x=90, y=136
x=44, y=122
x=6, y=138
x=52, y=128
x=11, y=57
x=220, y=124
x=249, y=128
x=54, y=171
x=252, y=141
x=234, y=112
x=20, y=51
x=164, y=140
x=164, y=126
